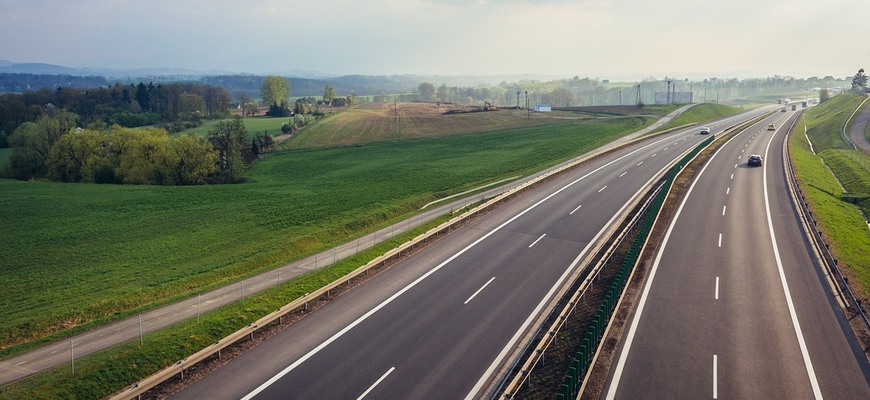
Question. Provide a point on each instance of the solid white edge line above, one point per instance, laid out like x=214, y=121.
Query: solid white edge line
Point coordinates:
x=536, y=241
x=575, y=210
x=632, y=330
x=817, y=392
x=384, y=376
x=390, y=299
x=715, y=377
x=479, y=290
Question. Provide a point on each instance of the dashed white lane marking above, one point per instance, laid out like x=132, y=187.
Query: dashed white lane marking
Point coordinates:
x=623, y=174
x=735, y=165
x=654, y=155
x=717, y=288
x=479, y=290
x=720, y=240
x=728, y=191
x=602, y=189
x=638, y=164
x=536, y=241
x=723, y=209
x=384, y=376
x=732, y=176
x=575, y=210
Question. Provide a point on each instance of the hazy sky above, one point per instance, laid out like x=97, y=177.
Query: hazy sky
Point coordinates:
x=595, y=38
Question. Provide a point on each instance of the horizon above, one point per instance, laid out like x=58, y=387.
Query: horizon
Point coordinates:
x=603, y=39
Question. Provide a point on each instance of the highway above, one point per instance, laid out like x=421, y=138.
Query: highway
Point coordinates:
x=735, y=306
x=441, y=323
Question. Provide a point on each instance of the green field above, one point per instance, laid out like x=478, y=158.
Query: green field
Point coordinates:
x=839, y=219
x=255, y=125
x=77, y=255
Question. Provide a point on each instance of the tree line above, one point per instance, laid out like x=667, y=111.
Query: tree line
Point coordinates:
x=174, y=106
x=54, y=148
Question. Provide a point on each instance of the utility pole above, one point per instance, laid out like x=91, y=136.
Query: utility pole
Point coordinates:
x=637, y=100
x=518, y=99
x=620, y=96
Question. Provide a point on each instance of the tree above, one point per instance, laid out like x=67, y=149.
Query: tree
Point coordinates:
x=329, y=93
x=561, y=96
x=824, y=95
x=859, y=81
x=427, y=91
x=275, y=90
x=33, y=142
x=190, y=160
x=230, y=139
x=443, y=92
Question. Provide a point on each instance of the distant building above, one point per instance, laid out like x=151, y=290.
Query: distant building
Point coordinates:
x=543, y=108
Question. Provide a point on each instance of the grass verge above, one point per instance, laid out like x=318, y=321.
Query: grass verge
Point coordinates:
x=842, y=224
x=103, y=373
x=700, y=113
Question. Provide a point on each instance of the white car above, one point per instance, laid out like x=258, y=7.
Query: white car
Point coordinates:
x=705, y=130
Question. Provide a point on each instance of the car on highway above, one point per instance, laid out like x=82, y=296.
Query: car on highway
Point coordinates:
x=705, y=130
x=782, y=110
x=771, y=127
x=755, y=160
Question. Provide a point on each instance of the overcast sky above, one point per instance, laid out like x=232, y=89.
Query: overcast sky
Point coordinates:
x=614, y=39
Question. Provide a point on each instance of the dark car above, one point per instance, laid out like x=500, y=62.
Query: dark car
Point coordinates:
x=755, y=160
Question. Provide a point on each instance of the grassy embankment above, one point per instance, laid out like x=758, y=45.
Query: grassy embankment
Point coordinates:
x=700, y=113
x=81, y=255
x=838, y=217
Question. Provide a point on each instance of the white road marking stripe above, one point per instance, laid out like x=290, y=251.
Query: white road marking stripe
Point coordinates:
x=575, y=210
x=666, y=149
x=602, y=189
x=728, y=191
x=384, y=376
x=732, y=176
x=654, y=155
x=479, y=290
x=536, y=241
x=735, y=165
x=638, y=164
x=715, y=377
x=623, y=174
x=720, y=240
x=717, y=288
x=817, y=392
x=723, y=209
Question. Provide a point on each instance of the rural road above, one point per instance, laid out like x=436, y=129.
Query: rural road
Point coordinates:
x=735, y=305
x=440, y=323
x=858, y=128
x=58, y=353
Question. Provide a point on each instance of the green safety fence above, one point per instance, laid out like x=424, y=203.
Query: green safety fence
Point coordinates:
x=594, y=332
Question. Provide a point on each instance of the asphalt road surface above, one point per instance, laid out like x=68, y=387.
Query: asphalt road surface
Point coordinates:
x=735, y=306
x=440, y=323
